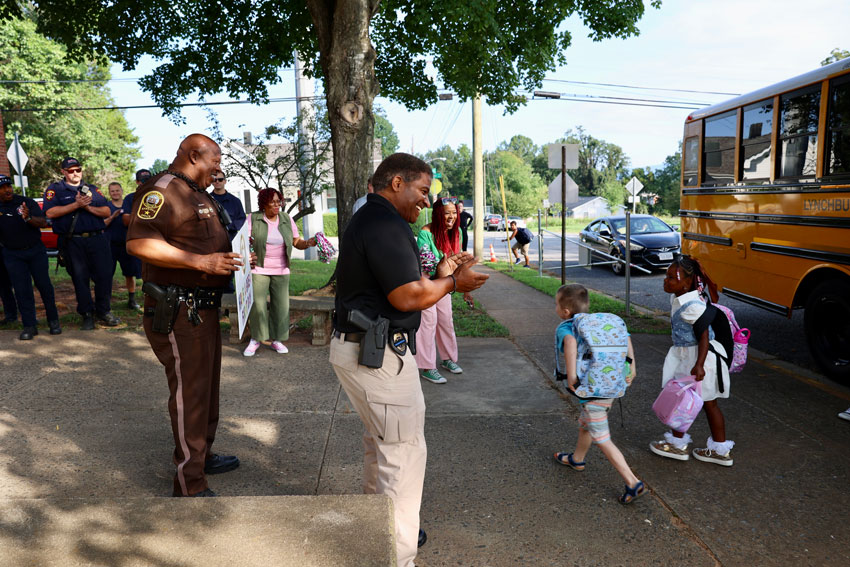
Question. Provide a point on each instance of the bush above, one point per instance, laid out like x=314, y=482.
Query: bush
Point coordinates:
x=329, y=224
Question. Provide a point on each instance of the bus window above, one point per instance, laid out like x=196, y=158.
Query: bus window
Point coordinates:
x=719, y=156
x=838, y=153
x=798, y=132
x=691, y=161
x=755, y=141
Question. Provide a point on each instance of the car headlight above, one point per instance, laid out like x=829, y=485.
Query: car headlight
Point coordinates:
x=635, y=247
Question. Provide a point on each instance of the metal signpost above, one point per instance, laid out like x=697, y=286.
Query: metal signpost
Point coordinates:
x=569, y=160
x=18, y=157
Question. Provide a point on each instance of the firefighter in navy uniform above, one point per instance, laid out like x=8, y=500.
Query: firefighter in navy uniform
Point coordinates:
x=380, y=294
x=178, y=231
x=77, y=210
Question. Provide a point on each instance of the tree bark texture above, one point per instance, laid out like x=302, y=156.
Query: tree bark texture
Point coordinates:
x=348, y=64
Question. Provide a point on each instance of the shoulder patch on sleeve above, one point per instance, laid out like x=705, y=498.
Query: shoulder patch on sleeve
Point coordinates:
x=48, y=196
x=151, y=204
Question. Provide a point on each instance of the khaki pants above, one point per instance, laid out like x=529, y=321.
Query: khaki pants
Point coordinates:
x=390, y=403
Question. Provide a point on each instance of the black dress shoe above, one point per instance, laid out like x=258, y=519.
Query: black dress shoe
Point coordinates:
x=205, y=493
x=218, y=464
x=55, y=328
x=88, y=322
x=423, y=537
x=131, y=303
x=28, y=333
x=109, y=319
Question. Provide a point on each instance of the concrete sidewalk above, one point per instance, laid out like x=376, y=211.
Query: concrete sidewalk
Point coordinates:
x=85, y=465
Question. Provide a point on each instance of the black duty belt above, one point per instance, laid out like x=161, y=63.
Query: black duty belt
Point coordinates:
x=202, y=298
x=349, y=337
x=86, y=234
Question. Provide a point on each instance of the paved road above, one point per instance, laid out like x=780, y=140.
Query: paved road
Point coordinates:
x=771, y=333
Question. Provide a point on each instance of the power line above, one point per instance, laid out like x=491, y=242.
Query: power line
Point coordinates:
x=143, y=106
x=642, y=88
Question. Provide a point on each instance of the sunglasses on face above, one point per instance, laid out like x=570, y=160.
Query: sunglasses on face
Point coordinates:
x=448, y=200
x=218, y=179
x=74, y=170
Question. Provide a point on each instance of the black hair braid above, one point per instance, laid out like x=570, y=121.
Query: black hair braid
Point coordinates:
x=691, y=268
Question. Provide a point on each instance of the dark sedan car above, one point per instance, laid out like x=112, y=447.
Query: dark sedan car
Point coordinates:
x=653, y=241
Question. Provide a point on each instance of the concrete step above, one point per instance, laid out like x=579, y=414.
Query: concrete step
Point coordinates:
x=247, y=531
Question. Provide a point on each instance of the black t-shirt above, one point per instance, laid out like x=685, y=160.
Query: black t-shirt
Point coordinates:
x=465, y=221
x=15, y=233
x=377, y=254
x=116, y=231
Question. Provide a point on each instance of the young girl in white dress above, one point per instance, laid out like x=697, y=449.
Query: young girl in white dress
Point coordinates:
x=690, y=356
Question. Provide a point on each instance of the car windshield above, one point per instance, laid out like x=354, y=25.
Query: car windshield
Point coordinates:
x=641, y=225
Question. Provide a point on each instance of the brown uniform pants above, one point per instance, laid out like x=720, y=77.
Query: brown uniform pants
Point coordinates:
x=192, y=359
x=390, y=403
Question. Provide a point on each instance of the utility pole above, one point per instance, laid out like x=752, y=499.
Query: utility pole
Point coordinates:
x=477, y=179
x=313, y=222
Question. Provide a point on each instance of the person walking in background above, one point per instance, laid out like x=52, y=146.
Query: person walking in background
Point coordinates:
x=523, y=240
x=273, y=234
x=690, y=355
x=77, y=210
x=176, y=229
x=25, y=258
x=380, y=276
x=231, y=204
x=437, y=239
x=464, y=220
x=116, y=232
x=570, y=300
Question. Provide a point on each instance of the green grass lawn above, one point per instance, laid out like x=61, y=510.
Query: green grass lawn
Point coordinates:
x=637, y=322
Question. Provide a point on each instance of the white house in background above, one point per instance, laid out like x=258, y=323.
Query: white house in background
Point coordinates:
x=592, y=207
x=291, y=185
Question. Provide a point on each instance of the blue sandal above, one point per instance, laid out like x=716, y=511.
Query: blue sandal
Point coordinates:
x=566, y=459
x=631, y=493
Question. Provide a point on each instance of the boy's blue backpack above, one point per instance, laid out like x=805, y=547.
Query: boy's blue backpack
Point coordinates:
x=523, y=235
x=603, y=344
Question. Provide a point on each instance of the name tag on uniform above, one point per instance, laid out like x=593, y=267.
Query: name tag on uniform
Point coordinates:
x=204, y=211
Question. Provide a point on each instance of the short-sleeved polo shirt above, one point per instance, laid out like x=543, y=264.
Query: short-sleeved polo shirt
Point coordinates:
x=377, y=254
x=15, y=233
x=166, y=208
x=60, y=194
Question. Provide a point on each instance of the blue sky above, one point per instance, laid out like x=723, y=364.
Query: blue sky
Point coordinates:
x=732, y=46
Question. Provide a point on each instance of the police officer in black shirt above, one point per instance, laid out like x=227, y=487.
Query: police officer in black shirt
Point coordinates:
x=25, y=257
x=77, y=210
x=380, y=293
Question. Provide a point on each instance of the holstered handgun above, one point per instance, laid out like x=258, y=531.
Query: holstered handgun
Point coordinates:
x=374, y=339
x=165, y=311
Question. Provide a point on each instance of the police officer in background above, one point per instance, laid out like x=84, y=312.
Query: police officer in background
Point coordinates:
x=380, y=293
x=25, y=257
x=77, y=210
x=116, y=232
x=178, y=231
x=231, y=204
x=142, y=176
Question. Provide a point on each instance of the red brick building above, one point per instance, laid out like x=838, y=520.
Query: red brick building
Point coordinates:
x=4, y=162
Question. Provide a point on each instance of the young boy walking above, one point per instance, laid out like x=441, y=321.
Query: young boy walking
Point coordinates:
x=593, y=422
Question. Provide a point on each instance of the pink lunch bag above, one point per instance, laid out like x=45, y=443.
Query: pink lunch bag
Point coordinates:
x=679, y=403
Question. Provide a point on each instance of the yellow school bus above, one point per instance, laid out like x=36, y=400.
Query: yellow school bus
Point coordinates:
x=765, y=203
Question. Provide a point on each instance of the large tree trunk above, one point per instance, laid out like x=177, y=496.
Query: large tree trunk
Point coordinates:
x=348, y=65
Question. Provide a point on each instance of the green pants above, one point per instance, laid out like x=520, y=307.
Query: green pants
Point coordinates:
x=270, y=321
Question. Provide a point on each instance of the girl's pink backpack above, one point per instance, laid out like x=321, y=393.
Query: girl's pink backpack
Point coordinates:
x=679, y=403
x=741, y=338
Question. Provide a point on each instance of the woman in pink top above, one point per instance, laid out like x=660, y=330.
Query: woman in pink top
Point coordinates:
x=274, y=233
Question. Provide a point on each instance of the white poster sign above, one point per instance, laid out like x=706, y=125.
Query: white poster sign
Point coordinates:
x=242, y=276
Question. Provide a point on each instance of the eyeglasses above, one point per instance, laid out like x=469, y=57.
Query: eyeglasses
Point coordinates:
x=448, y=200
x=217, y=179
x=74, y=170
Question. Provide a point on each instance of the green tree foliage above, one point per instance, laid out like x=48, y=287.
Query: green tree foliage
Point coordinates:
x=835, y=55
x=159, y=165
x=101, y=140
x=614, y=192
x=524, y=190
x=385, y=132
x=667, y=184
x=489, y=47
x=456, y=168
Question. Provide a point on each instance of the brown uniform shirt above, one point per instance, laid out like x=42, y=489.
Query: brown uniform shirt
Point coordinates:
x=166, y=208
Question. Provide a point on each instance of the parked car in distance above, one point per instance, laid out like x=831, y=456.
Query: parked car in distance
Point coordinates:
x=491, y=222
x=520, y=223
x=653, y=241
x=48, y=237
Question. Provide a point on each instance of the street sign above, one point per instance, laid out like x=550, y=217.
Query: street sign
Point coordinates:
x=634, y=186
x=17, y=156
x=20, y=181
x=555, y=190
x=555, y=156
x=545, y=203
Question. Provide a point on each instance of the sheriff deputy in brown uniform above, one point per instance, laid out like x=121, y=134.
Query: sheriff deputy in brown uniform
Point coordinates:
x=380, y=294
x=179, y=233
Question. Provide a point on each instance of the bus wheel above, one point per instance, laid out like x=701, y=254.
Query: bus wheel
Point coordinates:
x=827, y=322
x=618, y=268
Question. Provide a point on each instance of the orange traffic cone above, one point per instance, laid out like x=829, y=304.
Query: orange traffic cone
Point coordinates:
x=492, y=254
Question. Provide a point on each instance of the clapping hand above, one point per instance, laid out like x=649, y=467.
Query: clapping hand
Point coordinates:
x=83, y=200
x=25, y=212
x=449, y=264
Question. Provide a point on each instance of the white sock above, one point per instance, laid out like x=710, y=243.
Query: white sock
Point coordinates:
x=677, y=442
x=720, y=448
